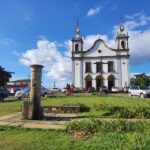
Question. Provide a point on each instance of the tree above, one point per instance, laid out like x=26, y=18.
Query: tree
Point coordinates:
x=141, y=80
x=4, y=77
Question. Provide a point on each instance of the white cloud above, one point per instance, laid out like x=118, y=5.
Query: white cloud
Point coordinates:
x=93, y=11
x=136, y=20
x=132, y=75
x=6, y=41
x=113, y=8
x=56, y=64
x=16, y=53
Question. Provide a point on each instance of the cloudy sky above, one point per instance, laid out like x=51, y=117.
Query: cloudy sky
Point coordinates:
x=37, y=31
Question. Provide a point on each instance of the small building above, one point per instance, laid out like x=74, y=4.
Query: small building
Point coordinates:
x=15, y=85
x=100, y=65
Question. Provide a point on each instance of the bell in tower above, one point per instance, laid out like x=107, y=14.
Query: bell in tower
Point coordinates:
x=122, y=37
x=77, y=41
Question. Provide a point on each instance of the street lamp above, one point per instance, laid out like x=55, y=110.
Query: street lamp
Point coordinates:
x=54, y=84
x=101, y=89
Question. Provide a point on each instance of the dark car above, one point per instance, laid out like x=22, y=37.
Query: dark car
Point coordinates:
x=91, y=90
x=4, y=93
x=76, y=90
x=103, y=89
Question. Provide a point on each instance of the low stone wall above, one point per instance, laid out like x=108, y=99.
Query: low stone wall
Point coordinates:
x=61, y=109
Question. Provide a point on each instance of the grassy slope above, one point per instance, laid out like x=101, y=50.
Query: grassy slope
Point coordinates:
x=17, y=138
x=30, y=139
x=9, y=107
x=96, y=100
x=89, y=101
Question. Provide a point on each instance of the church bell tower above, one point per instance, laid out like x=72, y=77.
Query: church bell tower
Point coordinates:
x=77, y=42
x=122, y=38
x=122, y=57
x=77, y=58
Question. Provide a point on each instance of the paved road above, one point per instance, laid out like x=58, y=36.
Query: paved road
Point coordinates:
x=11, y=98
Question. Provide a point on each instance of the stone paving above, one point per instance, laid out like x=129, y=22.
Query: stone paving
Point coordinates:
x=50, y=121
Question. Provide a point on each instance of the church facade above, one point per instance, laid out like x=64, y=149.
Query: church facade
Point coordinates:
x=100, y=65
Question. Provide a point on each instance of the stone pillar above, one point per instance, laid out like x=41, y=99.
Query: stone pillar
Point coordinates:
x=35, y=91
x=32, y=109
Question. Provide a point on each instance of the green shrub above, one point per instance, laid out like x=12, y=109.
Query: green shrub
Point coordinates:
x=93, y=125
x=124, y=112
x=90, y=125
x=84, y=108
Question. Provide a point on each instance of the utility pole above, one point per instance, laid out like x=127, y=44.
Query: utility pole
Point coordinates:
x=101, y=89
x=54, y=84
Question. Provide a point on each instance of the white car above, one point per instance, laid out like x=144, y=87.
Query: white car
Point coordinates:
x=64, y=90
x=22, y=93
x=115, y=89
x=25, y=93
x=55, y=90
x=139, y=91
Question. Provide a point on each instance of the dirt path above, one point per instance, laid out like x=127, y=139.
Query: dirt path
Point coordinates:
x=50, y=121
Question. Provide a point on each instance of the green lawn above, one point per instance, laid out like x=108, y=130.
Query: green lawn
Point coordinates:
x=34, y=139
x=105, y=106
x=97, y=106
x=9, y=107
x=95, y=100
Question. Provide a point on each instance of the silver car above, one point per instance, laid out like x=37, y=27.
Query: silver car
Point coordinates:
x=25, y=93
x=55, y=90
x=139, y=91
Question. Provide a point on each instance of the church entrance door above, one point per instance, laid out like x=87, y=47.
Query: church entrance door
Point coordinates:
x=111, y=82
x=88, y=82
x=98, y=82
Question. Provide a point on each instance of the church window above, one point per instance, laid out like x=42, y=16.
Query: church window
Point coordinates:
x=98, y=67
x=110, y=66
x=76, y=47
x=123, y=44
x=88, y=67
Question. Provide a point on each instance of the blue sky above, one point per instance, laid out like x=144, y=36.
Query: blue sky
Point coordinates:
x=28, y=27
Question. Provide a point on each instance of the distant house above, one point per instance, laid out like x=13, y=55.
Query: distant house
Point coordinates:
x=100, y=65
x=15, y=85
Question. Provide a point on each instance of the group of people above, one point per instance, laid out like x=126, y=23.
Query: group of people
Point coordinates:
x=69, y=88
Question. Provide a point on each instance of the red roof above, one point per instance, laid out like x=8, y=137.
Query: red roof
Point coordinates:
x=16, y=86
x=21, y=80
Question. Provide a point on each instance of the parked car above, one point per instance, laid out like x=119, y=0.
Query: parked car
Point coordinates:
x=4, y=93
x=55, y=90
x=139, y=91
x=115, y=89
x=64, y=90
x=91, y=90
x=25, y=93
x=103, y=89
x=76, y=90
x=126, y=89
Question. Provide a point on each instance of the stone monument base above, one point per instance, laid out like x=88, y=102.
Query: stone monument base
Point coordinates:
x=28, y=111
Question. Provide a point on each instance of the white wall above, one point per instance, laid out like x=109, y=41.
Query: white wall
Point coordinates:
x=121, y=66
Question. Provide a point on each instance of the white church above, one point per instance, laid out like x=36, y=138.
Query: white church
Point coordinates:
x=100, y=65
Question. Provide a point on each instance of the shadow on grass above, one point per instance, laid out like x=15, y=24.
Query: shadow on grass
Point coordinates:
x=84, y=108
x=53, y=118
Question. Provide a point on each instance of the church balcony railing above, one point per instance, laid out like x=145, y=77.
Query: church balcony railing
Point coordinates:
x=88, y=71
x=111, y=70
x=99, y=71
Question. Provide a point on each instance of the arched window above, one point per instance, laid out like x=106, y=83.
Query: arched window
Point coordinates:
x=123, y=44
x=76, y=47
